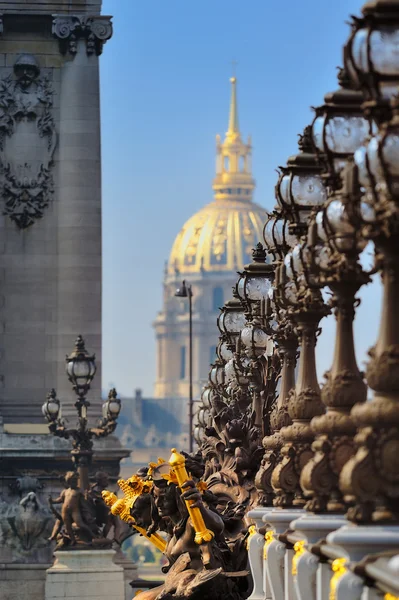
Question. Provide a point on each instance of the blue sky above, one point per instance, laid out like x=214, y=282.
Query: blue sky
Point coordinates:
x=164, y=96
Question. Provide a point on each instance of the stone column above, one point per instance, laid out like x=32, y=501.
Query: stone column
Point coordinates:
x=50, y=198
x=79, y=210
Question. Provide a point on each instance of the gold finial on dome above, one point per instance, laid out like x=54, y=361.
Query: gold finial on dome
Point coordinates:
x=233, y=130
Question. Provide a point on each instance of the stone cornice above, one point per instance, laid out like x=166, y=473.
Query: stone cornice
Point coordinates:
x=95, y=30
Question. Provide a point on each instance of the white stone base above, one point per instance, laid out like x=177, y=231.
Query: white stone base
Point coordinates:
x=18, y=581
x=80, y=574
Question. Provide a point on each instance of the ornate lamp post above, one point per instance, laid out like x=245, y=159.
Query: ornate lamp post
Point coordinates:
x=252, y=289
x=334, y=245
x=81, y=368
x=281, y=331
x=300, y=190
x=300, y=187
x=370, y=479
x=231, y=321
x=185, y=291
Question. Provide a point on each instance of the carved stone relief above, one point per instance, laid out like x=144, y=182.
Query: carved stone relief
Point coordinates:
x=27, y=142
x=94, y=30
x=25, y=522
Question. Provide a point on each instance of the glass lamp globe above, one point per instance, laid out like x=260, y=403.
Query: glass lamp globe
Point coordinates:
x=378, y=164
x=254, y=339
x=51, y=407
x=255, y=281
x=300, y=187
x=372, y=51
x=224, y=352
x=231, y=319
x=112, y=406
x=339, y=128
x=216, y=375
x=277, y=237
x=272, y=231
x=207, y=396
x=341, y=230
x=80, y=367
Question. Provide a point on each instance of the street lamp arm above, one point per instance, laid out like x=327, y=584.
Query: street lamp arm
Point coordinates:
x=59, y=430
x=104, y=429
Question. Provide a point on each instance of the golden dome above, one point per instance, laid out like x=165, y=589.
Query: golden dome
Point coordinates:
x=220, y=237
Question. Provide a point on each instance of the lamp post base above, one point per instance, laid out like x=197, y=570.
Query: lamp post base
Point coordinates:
x=85, y=574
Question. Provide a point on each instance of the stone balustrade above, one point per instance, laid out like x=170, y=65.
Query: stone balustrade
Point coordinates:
x=295, y=555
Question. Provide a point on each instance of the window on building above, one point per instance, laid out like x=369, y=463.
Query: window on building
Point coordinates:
x=212, y=354
x=217, y=298
x=182, y=362
x=242, y=164
x=226, y=163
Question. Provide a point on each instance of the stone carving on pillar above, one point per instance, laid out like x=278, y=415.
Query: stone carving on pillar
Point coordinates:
x=25, y=523
x=27, y=142
x=94, y=30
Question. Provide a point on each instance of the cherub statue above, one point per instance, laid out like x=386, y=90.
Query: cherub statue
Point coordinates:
x=74, y=520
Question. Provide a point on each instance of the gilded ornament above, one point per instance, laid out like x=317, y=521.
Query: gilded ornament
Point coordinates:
x=339, y=569
x=299, y=549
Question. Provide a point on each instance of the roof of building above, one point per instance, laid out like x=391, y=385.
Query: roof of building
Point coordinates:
x=153, y=421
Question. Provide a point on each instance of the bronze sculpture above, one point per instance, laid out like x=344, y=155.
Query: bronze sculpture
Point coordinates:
x=200, y=560
x=83, y=520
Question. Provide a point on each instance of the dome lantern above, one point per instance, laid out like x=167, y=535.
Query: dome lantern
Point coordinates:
x=233, y=179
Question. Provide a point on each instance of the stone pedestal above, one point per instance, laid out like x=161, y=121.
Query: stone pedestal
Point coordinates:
x=19, y=581
x=255, y=554
x=356, y=542
x=130, y=571
x=279, y=577
x=80, y=574
x=313, y=529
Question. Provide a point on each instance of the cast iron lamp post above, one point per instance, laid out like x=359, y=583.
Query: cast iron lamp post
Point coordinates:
x=369, y=480
x=300, y=187
x=332, y=257
x=231, y=321
x=252, y=289
x=374, y=490
x=81, y=368
x=281, y=331
x=185, y=291
x=299, y=191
